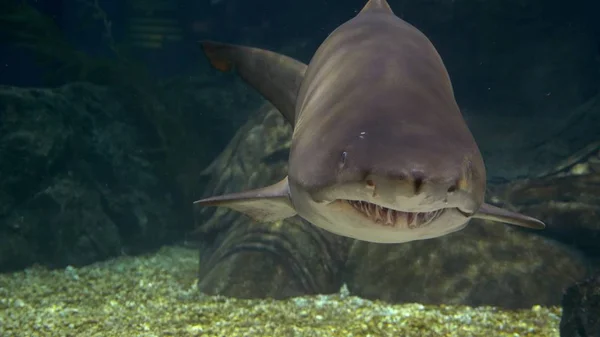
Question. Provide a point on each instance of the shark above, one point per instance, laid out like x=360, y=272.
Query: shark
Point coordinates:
x=380, y=151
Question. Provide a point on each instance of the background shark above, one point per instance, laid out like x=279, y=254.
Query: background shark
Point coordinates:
x=380, y=150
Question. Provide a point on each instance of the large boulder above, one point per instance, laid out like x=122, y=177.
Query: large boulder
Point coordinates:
x=77, y=183
x=484, y=264
x=566, y=196
x=245, y=259
x=581, y=309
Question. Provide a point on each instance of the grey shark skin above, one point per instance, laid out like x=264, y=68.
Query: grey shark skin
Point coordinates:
x=380, y=151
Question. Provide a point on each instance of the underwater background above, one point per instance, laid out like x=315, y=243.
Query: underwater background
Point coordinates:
x=113, y=122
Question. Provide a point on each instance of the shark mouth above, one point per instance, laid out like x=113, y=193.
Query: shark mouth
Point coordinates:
x=393, y=218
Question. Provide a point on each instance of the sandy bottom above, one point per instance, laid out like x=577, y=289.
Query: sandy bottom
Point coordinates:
x=156, y=295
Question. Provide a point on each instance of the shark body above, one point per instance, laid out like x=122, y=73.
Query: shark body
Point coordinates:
x=380, y=151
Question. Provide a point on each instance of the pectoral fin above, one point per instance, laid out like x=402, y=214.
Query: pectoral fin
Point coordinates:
x=277, y=77
x=489, y=212
x=265, y=204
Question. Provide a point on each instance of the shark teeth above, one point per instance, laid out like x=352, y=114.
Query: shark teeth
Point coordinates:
x=392, y=218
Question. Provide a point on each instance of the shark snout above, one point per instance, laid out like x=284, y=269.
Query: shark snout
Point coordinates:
x=414, y=184
x=421, y=191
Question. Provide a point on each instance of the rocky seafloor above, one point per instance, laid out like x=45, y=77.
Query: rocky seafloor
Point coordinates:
x=156, y=295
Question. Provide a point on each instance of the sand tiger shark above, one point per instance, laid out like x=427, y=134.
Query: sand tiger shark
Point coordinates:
x=380, y=151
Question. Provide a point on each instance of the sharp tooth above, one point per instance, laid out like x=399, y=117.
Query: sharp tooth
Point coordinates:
x=410, y=217
x=389, y=217
x=421, y=218
x=428, y=216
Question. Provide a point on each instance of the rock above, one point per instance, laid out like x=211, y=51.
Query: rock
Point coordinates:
x=484, y=264
x=255, y=156
x=581, y=310
x=274, y=260
x=493, y=264
x=76, y=182
x=512, y=150
x=566, y=197
x=245, y=259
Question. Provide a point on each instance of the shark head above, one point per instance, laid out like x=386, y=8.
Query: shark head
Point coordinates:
x=362, y=184
x=395, y=160
x=391, y=166
x=380, y=150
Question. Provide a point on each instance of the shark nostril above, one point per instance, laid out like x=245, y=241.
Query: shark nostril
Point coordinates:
x=418, y=179
x=418, y=183
x=453, y=188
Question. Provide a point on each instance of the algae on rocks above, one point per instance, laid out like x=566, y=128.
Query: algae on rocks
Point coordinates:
x=76, y=185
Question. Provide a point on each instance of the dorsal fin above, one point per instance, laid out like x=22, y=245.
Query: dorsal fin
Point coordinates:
x=277, y=77
x=377, y=5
